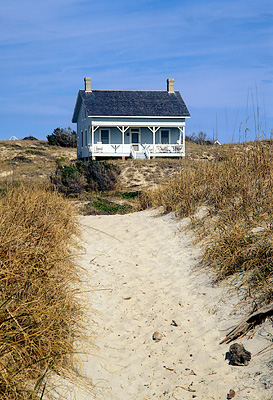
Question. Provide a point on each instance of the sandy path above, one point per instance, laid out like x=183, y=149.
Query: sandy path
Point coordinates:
x=147, y=265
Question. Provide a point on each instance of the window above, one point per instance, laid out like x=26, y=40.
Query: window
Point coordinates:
x=165, y=139
x=85, y=134
x=104, y=136
x=81, y=138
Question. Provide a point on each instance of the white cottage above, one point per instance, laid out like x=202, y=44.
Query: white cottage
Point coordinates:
x=125, y=123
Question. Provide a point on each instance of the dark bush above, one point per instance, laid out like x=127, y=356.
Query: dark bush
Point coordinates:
x=63, y=137
x=88, y=176
x=29, y=138
x=21, y=159
x=68, y=180
x=100, y=176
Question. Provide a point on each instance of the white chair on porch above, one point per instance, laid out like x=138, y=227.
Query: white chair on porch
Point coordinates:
x=99, y=147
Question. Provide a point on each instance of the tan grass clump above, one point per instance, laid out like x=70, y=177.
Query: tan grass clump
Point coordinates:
x=41, y=316
x=237, y=191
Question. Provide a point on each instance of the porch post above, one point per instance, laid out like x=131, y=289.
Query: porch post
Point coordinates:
x=180, y=134
x=154, y=129
x=123, y=131
x=93, y=128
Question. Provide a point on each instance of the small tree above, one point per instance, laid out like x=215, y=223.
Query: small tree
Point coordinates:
x=201, y=138
x=191, y=137
x=63, y=137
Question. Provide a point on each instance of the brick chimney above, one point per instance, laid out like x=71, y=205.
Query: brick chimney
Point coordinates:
x=87, y=84
x=170, y=85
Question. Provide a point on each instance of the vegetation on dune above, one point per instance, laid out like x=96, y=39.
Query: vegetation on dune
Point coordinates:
x=237, y=192
x=63, y=137
x=85, y=176
x=100, y=176
x=40, y=312
x=104, y=206
x=29, y=138
x=201, y=138
x=68, y=180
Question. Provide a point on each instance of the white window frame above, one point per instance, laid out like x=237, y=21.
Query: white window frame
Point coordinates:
x=109, y=132
x=160, y=137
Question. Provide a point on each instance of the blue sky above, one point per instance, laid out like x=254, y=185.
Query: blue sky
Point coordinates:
x=220, y=53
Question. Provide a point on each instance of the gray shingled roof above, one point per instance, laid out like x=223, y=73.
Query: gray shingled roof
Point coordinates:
x=133, y=103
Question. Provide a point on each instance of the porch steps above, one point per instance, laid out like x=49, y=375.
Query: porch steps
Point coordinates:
x=140, y=156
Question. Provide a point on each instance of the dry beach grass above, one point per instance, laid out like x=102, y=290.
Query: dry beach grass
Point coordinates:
x=40, y=312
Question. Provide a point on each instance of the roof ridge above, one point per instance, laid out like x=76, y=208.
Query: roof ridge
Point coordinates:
x=126, y=90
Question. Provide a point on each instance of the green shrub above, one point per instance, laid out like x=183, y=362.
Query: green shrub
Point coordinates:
x=35, y=152
x=68, y=180
x=104, y=206
x=63, y=137
x=129, y=195
x=85, y=176
x=100, y=176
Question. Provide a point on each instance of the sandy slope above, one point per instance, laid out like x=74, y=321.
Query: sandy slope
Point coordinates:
x=146, y=267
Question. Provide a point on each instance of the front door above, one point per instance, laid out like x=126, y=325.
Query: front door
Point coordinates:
x=135, y=138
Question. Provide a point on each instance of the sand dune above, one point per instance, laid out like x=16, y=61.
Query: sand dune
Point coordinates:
x=147, y=269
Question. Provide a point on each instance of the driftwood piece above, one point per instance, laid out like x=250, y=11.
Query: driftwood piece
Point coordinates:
x=249, y=323
x=239, y=355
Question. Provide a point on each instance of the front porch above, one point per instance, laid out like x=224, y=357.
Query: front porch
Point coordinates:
x=136, y=151
x=107, y=138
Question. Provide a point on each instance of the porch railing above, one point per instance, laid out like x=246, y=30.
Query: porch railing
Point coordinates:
x=147, y=151
x=129, y=149
x=133, y=152
x=166, y=148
